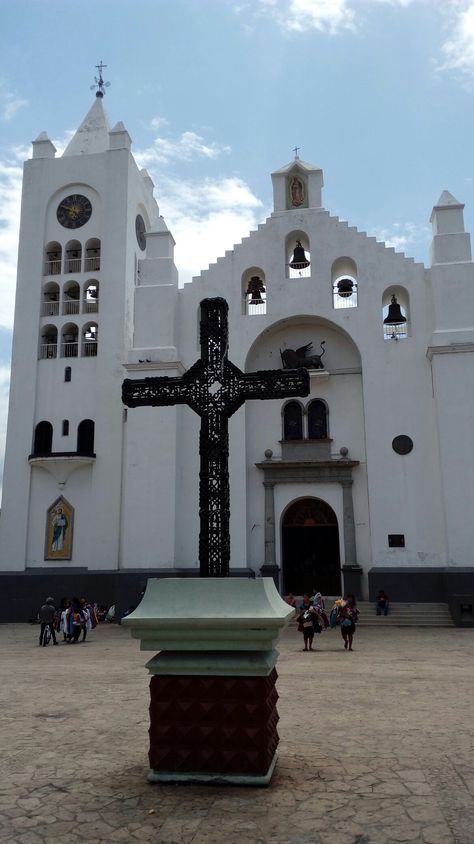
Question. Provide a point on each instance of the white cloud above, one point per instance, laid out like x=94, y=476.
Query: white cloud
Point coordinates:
x=11, y=105
x=299, y=15
x=402, y=236
x=187, y=147
x=458, y=49
x=10, y=200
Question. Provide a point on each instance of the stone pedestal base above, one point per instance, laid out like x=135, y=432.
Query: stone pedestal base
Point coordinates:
x=209, y=729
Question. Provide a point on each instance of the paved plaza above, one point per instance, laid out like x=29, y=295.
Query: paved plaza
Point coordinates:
x=375, y=746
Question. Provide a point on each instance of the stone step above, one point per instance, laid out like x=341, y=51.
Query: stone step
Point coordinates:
x=401, y=614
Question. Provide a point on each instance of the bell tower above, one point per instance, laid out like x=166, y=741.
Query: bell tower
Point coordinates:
x=89, y=224
x=296, y=186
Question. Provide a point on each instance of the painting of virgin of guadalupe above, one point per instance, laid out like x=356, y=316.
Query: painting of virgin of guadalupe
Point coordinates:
x=59, y=530
x=296, y=193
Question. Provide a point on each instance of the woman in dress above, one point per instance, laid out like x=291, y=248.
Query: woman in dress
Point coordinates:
x=306, y=620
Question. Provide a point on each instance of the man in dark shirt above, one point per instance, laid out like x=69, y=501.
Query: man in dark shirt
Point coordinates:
x=46, y=616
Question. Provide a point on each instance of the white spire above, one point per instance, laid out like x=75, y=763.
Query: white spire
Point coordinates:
x=93, y=133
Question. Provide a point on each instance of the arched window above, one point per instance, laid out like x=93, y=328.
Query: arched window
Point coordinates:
x=298, y=256
x=395, y=313
x=85, y=437
x=49, y=342
x=89, y=341
x=317, y=420
x=52, y=262
x=67, y=373
x=90, y=302
x=92, y=258
x=254, y=289
x=69, y=341
x=292, y=421
x=344, y=283
x=72, y=264
x=71, y=298
x=65, y=427
x=43, y=438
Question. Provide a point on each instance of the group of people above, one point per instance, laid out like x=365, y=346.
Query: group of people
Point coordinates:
x=73, y=618
x=312, y=617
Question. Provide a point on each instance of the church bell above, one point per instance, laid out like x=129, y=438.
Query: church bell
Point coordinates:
x=255, y=288
x=299, y=260
x=345, y=287
x=394, y=316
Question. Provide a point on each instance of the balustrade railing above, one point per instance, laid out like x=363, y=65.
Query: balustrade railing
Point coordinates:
x=299, y=270
x=69, y=350
x=48, y=350
x=50, y=308
x=72, y=265
x=70, y=306
x=90, y=306
x=52, y=267
x=92, y=264
x=89, y=348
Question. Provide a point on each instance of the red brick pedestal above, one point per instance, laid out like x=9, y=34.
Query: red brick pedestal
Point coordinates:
x=204, y=727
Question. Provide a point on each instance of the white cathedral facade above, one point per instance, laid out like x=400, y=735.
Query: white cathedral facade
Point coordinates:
x=366, y=483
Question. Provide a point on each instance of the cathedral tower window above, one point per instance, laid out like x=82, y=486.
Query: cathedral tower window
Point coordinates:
x=317, y=420
x=67, y=374
x=53, y=256
x=89, y=340
x=65, y=427
x=50, y=301
x=49, y=342
x=71, y=298
x=72, y=264
x=395, y=313
x=92, y=256
x=43, y=441
x=292, y=421
x=90, y=302
x=85, y=437
x=298, y=256
x=254, y=288
x=69, y=341
x=344, y=283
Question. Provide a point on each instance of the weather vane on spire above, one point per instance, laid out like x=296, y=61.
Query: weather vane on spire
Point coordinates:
x=99, y=82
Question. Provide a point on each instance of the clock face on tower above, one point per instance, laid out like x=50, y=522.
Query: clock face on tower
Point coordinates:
x=74, y=211
x=140, y=230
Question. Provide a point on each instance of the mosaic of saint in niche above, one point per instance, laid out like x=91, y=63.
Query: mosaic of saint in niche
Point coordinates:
x=59, y=525
x=296, y=192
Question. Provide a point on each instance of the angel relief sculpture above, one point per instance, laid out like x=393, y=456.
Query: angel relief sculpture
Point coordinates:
x=296, y=358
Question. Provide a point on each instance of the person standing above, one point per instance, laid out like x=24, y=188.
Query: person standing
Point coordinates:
x=306, y=620
x=349, y=614
x=46, y=616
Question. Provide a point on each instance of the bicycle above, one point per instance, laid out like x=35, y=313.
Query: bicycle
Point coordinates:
x=46, y=635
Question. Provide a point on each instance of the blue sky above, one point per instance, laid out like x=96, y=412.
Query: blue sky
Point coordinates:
x=216, y=93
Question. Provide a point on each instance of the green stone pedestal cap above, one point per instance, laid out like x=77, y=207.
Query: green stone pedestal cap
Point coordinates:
x=207, y=614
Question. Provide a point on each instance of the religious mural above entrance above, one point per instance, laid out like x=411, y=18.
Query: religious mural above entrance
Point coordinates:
x=59, y=530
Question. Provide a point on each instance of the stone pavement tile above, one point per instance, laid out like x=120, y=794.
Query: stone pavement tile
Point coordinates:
x=332, y=782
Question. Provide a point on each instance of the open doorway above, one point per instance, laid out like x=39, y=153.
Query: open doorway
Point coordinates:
x=310, y=548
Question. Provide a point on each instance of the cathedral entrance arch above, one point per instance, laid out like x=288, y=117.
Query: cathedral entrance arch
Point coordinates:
x=310, y=548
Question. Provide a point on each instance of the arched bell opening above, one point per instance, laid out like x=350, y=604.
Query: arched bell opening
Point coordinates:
x=48, y=342
x=72, y=263
x=344, y=283
x=69, y=341
x=90, y=300
x=254, y=290
x=50, y=299
x=395, y=313
x=310, y=548
x=71, y=298
x=89, y=340
x=53, y=257
x=298, y=255
x=92, y=256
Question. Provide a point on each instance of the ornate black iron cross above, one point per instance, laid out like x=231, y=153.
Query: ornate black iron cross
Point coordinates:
x=214, y=388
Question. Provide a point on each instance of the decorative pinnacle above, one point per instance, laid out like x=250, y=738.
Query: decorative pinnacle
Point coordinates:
x=295, y=150
x=99, y=82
